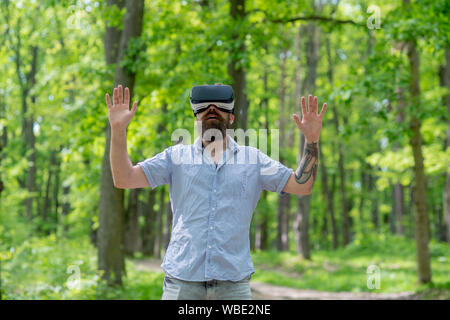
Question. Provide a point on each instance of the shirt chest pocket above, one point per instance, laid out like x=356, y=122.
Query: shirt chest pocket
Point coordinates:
x=236, y=181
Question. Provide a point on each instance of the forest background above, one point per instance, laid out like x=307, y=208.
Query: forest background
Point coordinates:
x=378, y=219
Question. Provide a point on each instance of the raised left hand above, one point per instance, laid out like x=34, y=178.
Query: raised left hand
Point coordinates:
x=311, y=123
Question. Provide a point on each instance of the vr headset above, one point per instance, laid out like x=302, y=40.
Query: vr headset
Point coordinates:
x=222, y=96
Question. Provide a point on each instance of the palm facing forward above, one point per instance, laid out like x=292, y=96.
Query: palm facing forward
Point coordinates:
x=311, y=123
x=119, y=113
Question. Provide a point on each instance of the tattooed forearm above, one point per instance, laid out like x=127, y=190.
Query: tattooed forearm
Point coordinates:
x=308, y=164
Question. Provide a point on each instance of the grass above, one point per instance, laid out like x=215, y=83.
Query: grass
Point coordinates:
x=48, y=268
x=45, y=268
x=347, y=269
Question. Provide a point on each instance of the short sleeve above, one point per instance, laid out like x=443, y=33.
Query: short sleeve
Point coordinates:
x=158, y=169
x=273, y=174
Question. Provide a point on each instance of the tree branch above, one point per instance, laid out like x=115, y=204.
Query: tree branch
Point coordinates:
x=315, y=18
x=305, y=18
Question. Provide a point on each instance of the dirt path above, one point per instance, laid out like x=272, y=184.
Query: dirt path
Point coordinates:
x=264, y=291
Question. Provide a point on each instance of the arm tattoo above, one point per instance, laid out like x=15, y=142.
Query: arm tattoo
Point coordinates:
x=309, y=159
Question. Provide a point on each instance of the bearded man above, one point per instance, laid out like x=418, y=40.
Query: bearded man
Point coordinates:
x=213, y=199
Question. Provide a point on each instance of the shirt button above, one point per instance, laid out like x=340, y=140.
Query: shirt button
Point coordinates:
x=214, y=190
x=213, y=209
x=209, y=247
x=211, y=228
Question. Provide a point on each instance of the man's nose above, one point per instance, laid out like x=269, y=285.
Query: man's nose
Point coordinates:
x=211, y=107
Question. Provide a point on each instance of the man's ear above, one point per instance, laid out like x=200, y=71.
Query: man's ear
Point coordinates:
x=231, y=119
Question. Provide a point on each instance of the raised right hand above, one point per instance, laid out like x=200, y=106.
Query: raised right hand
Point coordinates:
x=119, y=114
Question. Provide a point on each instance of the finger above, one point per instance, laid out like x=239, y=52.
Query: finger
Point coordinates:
x=315, y=105
x=127, y=96
x=324, y=108
x=303, y=105
x=310, y=103
x=120, y=94
x=116, y=97
x=134, y=108
x=297, y=120
x=304, y=111
x=108, y=101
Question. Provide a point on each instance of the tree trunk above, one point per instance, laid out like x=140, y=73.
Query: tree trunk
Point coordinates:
x=262, y=238
x=399, y=193
x=298, y=92
x=329, y=195
x=445, y=82
x=342, y=178
x=158, y=233
x=109, y=235
x=56, y=188
x=263, y=242
x=344, y=201
x=59, y=216
x=399, y=206
x=283, y=200
x=112, y=40
x=148, y=232
x=342, y=188
x=282, y=223
x=3, y=140
x=253, y=234
x=131, y=234
x=420, y=191
x=111, y=210
x=168, y=225
x=440, y=227
x=66, y=208
x=392, y=215
x=312, y=46
x=303, y=203
x=236, y=70
x=27, y=125
x=47, y=203
x=362, y=197
x=371, y=189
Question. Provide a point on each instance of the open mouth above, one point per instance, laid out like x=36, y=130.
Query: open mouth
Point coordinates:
x=211, y=118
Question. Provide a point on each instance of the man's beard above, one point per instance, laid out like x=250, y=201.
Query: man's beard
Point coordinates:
x=214, y=129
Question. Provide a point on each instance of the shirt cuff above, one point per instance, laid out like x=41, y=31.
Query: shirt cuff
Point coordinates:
x=283, y=181
x=147, y=173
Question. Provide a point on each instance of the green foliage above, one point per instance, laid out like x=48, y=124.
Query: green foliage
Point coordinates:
x=48, y=268
x=43, y=268
x=346, y=268
x=134, y=57
x=113, y=15
x=185, y=43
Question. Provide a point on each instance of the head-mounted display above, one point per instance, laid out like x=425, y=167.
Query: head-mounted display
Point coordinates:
x=221, y=96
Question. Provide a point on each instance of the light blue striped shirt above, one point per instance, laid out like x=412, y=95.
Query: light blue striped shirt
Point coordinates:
x=212, y=207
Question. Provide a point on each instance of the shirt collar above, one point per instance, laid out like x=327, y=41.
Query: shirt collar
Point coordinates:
x=231, y=145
